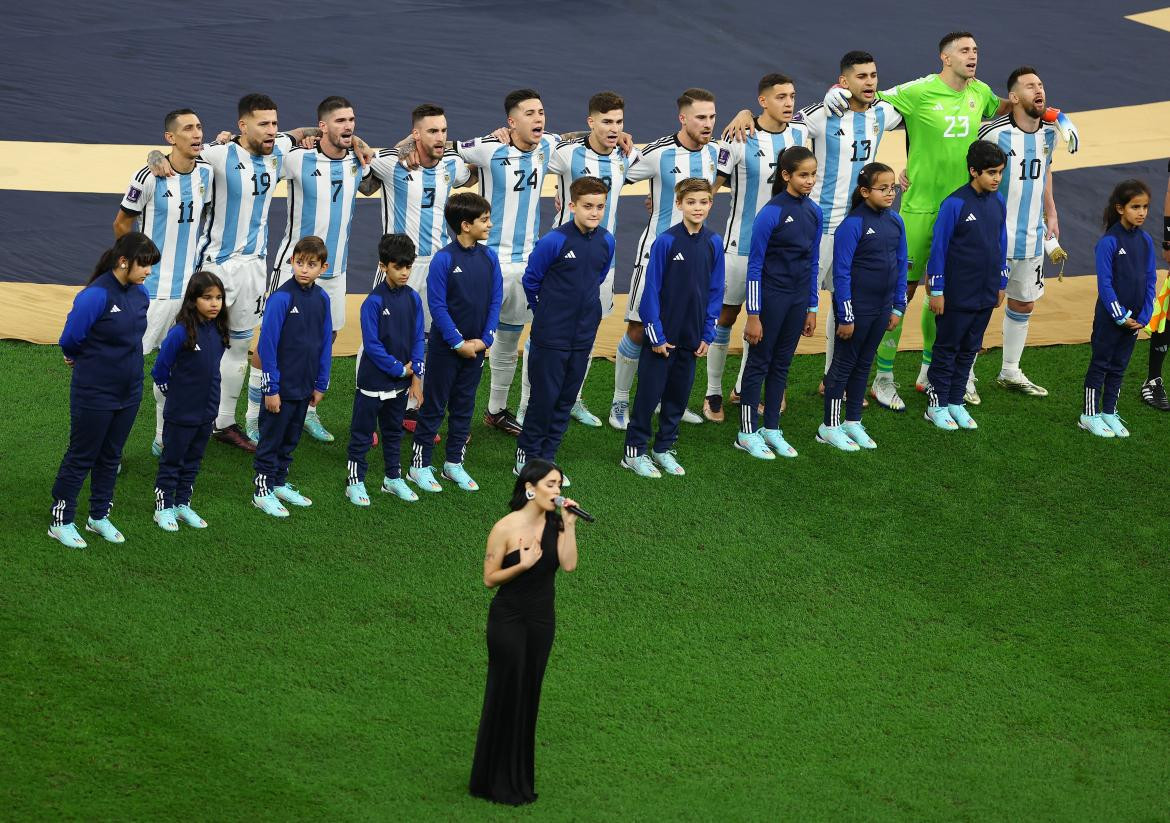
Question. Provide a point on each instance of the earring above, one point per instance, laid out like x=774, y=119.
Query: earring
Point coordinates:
x=529, y=494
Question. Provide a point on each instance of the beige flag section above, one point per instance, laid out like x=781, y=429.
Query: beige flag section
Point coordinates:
x=36, y=313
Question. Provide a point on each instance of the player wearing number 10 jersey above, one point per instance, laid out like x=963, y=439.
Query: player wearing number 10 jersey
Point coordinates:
x=1028, y=143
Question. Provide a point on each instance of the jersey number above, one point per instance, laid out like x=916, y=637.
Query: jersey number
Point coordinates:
x=772, y=176
x=263, y=180
x=523, y=182
x=1030, y=169
x=959, y=126
x=428, y=201
x=1040, y=275
x=861, y=150
x=186, y=211
x=337, y=184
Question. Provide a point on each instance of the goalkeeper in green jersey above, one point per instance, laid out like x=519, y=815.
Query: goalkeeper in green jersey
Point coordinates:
x=942, y=113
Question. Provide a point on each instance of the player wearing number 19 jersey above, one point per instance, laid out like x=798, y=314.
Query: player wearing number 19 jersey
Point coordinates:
x=1028, y=142
x=511, y=176
x=942, y=113
x=750, y=166
x=689, y=152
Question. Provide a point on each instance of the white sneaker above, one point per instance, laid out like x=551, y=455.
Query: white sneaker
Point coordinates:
x=619, y=415
x=885, y=392
x=971, y=395
x=691, y=417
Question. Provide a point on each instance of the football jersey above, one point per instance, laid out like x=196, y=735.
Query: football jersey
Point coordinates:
x=574, y=158
x=751, y=167
x=941, y=124
x=322, y=193
x=413, y=200
x=843, y=145
x=511, y=181
x=243, y=184
x=1029, y=156
x=665, y=163
x=169, y=209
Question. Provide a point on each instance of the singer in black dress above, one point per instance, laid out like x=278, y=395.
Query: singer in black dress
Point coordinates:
x=524, y=551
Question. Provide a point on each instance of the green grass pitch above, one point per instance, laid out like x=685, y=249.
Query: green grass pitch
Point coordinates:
x=960, y=625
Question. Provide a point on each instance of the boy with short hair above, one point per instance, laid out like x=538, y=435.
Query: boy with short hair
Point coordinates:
x=563, y=284
x=464, y=291
x=967, y=273
x=680, y=302
x=295, y=353
x=389, y=369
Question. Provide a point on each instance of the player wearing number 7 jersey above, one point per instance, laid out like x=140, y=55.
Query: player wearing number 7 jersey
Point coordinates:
x=170, y=209
x=1028, y=143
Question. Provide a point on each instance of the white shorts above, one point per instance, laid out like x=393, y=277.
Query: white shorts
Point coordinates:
x=334, y=286
x=160, y=316
x=245, y=283
x=735, y=279
x=514, y=310
x=1026, y=279
x=826, y=262
x=637, y=284
x=418, y=282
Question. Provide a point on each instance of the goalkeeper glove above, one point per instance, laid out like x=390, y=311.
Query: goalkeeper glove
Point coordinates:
x=1068, y=131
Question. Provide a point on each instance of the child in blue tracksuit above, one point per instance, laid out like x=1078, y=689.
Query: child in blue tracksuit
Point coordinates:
x=967, y=273
x=102, y=343
x=464, y=291
x=680, y=302
x=187, y=373
x=389, y=369
x=1125, y=302
x=782, y=298
x=563, y=283
x=295, y=353
x=869, y=297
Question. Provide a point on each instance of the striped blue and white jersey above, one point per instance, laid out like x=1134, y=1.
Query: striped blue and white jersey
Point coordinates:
x=170, y=208
x=751, y=167
x=413, y=200
x=322, y=194
x=511, y=180
x=1029, y=156
x=574, y=158
x=665, y=162
x=243, y=185
x=843, y=145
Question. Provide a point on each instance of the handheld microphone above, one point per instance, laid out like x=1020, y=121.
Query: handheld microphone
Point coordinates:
x=584, y=515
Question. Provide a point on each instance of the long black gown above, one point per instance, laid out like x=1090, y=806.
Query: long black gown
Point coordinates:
x=520, y=628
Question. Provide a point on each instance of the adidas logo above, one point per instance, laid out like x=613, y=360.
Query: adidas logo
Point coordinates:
x=675, y=170
x=239, y=166
x=1119, y=253
x=788, y=219
x=678, y=257
x=456, y=270
x=316, y=173
x=585, y=172
x=409, y=177
x=505, y=162
x=295, y=310
x=840, y=132
x=761, y=153
x=115, y=309
x=167, y=193
x=570, y=256
x=870, y=230
x=386, y=311
x=938, y=107
x=197, y=347
x=1011, y=153
x=970, y=218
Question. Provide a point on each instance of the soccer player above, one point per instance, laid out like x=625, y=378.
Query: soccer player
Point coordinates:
x=511, y=176
x=413, y=199
x=322, y=192
x=563, y=284
x=666, y=162
x=295, y=352
x=679, y=302
x=597, y=153
x=967, y=276
x=168, y=209
x=1153, y=392
x=750, y=166
x=942, y=113
x=1028, y=143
